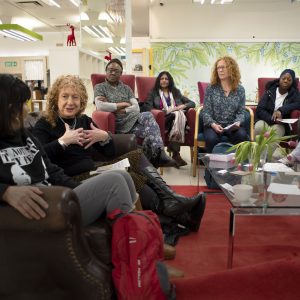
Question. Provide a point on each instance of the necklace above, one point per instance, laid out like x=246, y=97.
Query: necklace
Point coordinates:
x=73, y=126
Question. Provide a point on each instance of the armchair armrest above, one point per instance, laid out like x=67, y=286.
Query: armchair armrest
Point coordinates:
x=159, y=117
x=105, y=120
x=62, y=211
x=191, y=118
x=124, y=143
x=50, y=258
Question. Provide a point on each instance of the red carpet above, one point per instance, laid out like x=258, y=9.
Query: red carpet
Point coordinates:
x=258, y=239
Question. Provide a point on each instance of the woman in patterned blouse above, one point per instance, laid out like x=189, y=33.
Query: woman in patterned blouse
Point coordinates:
x=224, y=104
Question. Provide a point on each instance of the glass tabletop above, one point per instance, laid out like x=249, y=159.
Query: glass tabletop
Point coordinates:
x=270, y=189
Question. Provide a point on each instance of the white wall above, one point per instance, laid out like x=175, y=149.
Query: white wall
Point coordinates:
x=11, y=47
x=276, y=20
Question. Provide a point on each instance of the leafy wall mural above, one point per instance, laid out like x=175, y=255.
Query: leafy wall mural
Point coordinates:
x=192, y=62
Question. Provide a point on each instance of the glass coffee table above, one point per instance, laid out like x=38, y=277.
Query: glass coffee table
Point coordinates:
x=274, y=193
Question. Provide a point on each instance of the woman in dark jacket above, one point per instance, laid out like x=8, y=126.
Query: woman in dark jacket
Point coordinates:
x=165, y=96
x=279, y=100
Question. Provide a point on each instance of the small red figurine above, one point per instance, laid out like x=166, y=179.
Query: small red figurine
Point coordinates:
x=108, y=57
x=71, y=37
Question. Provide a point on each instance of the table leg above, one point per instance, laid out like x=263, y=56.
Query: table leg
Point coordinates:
x=231, y=239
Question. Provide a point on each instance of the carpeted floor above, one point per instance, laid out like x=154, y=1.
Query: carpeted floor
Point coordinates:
x=258, y=239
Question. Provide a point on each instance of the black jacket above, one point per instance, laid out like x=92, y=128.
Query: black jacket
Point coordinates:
x=266, y=105
x=153, y=101
x=74, y=159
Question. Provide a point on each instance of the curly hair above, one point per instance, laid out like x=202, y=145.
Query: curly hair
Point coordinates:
x=52, y=97
x=233, y=70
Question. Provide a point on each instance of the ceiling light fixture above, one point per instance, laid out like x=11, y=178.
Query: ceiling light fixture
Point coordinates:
x=118, y=50
x=98, y=31
x=51, y=3
x=75, y=2
x=20, y=33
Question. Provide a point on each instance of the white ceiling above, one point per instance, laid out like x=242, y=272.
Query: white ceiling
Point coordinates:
x=40, y=17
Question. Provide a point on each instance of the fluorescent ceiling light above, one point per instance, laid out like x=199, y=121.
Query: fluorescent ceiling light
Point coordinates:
x=75, y=2
x=96, y=31
x=51, y=3
x=118, y=50
x=19, y=33
x=105, y=16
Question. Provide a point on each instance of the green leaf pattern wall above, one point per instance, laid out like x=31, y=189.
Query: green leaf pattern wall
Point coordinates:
x=192, y=62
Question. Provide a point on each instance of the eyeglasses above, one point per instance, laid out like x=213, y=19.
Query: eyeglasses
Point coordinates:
x=116, y=71
x=221, y=68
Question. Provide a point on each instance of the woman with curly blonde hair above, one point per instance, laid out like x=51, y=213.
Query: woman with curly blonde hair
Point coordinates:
x=70, y=137
x=224, y=103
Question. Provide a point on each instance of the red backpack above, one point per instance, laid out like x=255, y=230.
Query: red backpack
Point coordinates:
x=137, y=255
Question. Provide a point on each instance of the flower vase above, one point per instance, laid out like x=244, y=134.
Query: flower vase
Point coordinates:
x=258, y=158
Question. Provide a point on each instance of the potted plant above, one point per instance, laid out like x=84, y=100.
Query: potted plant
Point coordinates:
x=261, y=149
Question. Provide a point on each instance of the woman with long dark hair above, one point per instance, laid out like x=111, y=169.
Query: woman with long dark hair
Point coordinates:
x=165, y=96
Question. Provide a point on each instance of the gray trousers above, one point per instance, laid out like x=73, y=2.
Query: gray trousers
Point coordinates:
x=104, y=193
x=259, y=125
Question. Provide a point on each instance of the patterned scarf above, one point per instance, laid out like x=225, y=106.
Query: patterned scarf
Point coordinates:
x=166, y=107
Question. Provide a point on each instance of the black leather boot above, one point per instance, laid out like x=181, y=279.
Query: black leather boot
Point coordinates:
x=171, y=203
x=192, y=218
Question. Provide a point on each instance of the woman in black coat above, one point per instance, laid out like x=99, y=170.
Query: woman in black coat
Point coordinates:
x=279, y=100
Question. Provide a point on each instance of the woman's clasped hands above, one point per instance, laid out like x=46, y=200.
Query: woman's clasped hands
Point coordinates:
x=84, y=138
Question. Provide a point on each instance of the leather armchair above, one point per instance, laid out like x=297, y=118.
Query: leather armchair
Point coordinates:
x=57, y=258
x=51, y=258
x=106, y=120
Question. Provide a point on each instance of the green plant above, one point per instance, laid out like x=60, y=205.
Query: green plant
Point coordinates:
x=261, y=149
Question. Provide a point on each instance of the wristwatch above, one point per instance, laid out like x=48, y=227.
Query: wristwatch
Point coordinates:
x=62, y=143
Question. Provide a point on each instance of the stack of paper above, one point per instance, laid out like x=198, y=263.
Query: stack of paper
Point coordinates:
x=276, y=167
x=230, y=126
x=120, y=165
x=287, y=121
x=221, y=157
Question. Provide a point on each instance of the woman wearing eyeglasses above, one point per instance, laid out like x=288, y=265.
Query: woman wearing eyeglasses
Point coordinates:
x=116, y=97
x=224, y=104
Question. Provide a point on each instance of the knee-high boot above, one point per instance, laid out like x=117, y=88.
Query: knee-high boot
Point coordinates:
x=187, y=211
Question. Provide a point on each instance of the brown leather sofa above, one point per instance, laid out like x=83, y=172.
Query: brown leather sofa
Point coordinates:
x=56, y=258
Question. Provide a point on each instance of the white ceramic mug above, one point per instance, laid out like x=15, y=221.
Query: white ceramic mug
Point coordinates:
x=242, y=192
